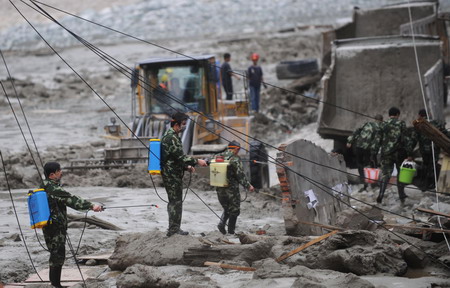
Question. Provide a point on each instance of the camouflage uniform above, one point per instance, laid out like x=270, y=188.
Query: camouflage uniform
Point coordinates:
x=173, y=164
x=426, y=151
x=55, y=233
x=230, y=197
x=366, y=143
x=394, y=150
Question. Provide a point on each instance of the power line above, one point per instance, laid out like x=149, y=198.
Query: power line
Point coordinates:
x=174, y=98
x=416, y=57
x=128, y=128
x=116, y=64
x=193, y=58
x=17, y=217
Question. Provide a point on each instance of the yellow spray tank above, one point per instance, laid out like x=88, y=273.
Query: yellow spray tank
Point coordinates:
x=218, y=172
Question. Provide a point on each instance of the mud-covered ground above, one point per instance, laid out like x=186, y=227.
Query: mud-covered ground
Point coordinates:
x=67, y=117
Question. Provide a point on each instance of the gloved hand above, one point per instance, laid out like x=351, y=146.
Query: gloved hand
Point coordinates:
x=265, y=85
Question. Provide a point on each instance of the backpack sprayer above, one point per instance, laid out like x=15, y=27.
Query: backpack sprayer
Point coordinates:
x=154, y=157
x=218, y=171
x=38, y=208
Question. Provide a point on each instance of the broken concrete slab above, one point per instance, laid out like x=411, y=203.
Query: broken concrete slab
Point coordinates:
x=156, y=249
x=152, y=248
x=306, y=277
x=359, y=219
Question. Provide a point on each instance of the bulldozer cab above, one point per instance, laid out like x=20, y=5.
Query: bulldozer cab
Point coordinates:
x=163, y=86
x=168, y=85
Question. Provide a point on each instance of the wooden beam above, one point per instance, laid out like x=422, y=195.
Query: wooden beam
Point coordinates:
x=433, y=212
x=228, y=266
x=434, y=134
x=328, y=227
x=295, y=251
x=435, y=230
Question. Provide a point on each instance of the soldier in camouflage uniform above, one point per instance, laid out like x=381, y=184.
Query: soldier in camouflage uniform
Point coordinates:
x=229, y=197
x=173, y=165
x=426, y=151
x=394, y=150
x=366, y=142
x=55, y=233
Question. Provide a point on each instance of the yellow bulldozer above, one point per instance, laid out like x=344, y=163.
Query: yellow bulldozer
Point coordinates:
x=163, y=86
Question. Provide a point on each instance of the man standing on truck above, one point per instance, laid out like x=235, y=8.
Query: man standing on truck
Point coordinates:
x=225, y=76
x=394, y=150
x=230, y=197
x=173, y=165
x=255, y=78
x=366, y=142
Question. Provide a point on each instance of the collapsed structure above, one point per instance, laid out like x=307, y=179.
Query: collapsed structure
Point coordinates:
x=371, y=66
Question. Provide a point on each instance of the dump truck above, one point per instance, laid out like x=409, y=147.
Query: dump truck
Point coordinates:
x=163, y=86
x=370, y=66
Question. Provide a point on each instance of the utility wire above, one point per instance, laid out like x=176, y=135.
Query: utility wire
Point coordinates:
x=416, y=57
x=116, y=64
x=320, y=185
x=17, y=217
x=217, y=215
x=20, y=128
x=174, y=98
x=193, y=58
x=21, y=107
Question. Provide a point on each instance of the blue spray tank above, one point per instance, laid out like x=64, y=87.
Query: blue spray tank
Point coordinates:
x=154, y=157
x=38, y=208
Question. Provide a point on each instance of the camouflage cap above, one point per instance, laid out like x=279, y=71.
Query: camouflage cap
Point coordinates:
x=234, y=144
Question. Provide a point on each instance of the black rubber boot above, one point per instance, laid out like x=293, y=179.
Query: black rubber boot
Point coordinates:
x=383, y=186
x=232, y=224
x=223, y=222
x=55, y=276
x=364, y=188
x=401, y=192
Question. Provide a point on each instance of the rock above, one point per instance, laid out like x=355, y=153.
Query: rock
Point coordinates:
x=414, y=257
x=143, y=276
x=352, y=219
x=15, y=237
x=91, y=262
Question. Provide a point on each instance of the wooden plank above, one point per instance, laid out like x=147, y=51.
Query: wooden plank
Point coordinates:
x=295, y=251
x=328, y=227
x=433, y=212
x=67, y=275
x=228, y=266
x=227, y=241
x=424, y=127
x=95, y=257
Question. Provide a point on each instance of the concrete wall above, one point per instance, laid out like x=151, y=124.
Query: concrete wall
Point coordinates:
x=374, y=72
x=387, y=21
x=315, y=174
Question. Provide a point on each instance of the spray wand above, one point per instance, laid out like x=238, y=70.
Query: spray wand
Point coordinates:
x=113, y=207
